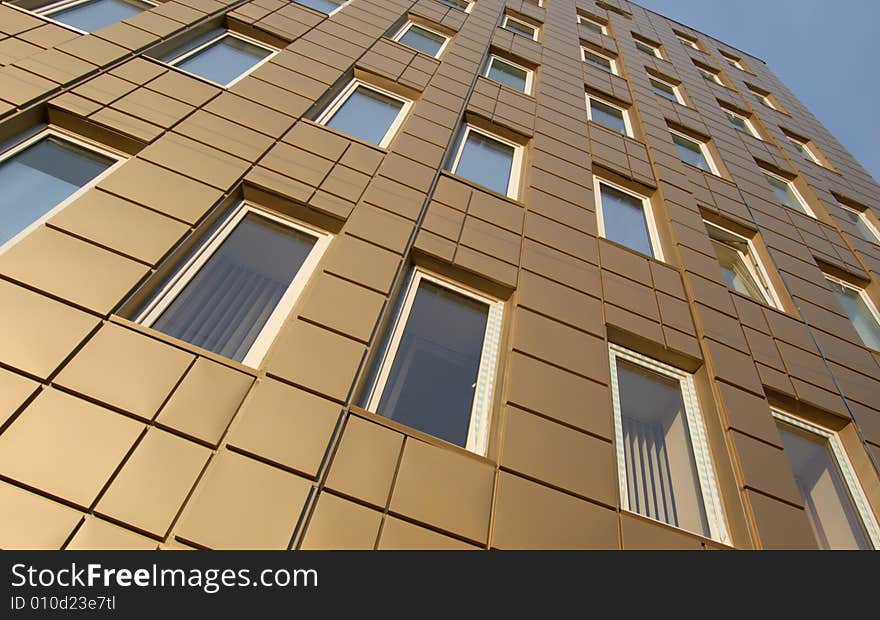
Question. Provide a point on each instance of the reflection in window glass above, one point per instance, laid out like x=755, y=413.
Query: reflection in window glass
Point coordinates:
x=690, y=152
x=736, y=273
x=624, y=220
x=486, y=161
x=859, y=313
x=664, y=90
x=226, y=304
x=44, y=174
x=423, y=40
x=224, y=60
x=514, y=25
x=784, y=192
x=866, y=230
x=95, y=14
x=366, y=114
x=432, y=380
x=661, y=471
x=598, y=61
x=827, y=499
x=739, y=122
x=506, y=73
x=324, y=6
x=607, y=116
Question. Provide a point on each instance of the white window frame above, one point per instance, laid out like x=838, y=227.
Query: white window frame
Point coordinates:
x=509, y=18
x=863, y=218
x=76, y=141
x=409, y=25
x=869, y=303
x=692, y=43
x=515, y=165
x=626, y=121
x=704, y=149
x=481, y=410
x=655, y=50
x=748, y=122
x=676, y=90
x=714, y=76
x=585, y=51
x=696, y=429
x=804, y=147
x=804, y=205
x=233, y=35
x=732, y=60
x=647, y=208
x=331, y=13
x=529, y=73
x=754, y=265
x=458, y=3
x=184, y=274
x=583, y=18
x=46, y=11
x=765, y=100
x=847, y=471
x=349, y=90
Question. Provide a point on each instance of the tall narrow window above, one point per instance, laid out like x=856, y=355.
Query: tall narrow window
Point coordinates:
x=666, y=471
x=608, y=115
x=599, y=60
x=366, y=112
x=324, y=6
x=41, y=174
x=627, y=219
x=694, y=153
x=860, y=309
x=438, y=370
x=91, y=15
x=220, y=56
x=741, y=267
x=488, y=160
x=236, y=289
x=741, y=123
x=520, y=27
x=422, y=39
x=859, y=219
x=509, y=74
x=835, y=502
x=666, y=89
x=787, y=194
x=803, y=147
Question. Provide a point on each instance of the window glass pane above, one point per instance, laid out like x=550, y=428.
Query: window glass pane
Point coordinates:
x=519, y=28
x=597, y=61
x=506, y=73
x=591, y=25
x=736, y=274
x=624, y=219
x=784, y=193
x=434, y=374
x=423, y=40
x=461, y=5
x=865, y=230
x=224, y=60
x=690, y=152
x=366, y=114
x=828, y=502
x=226, y=304
x=39, y=177
x=646, y=48
x=859, y=314
x=486, y=162
x=607, y=115
x=664, y=90
x=325, y=6
x=96, y=14
x=738, y=122
x=661, y=472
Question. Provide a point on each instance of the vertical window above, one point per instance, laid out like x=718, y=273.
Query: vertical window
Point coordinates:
x=437, y=373
x=423, y=39
x=665, y=469
x=593, y=24
x=220, y=56
x=520, y=27
x=666, y=89
x=599, y=60
x=835, y=502
x=43, y=173
x=787, y=194
x=460, y=5
x=860, y=309
x=649, y=48
x=694, y=153
x=741, y=123
x=233, y=293
x=803, y=147
x=627, y=219
x=863, y=225
x=323, y=6
x=608, y=115
x=509, y=74
x=488, y=160
x=742, y=269
x=91, y=15
x=366, y=112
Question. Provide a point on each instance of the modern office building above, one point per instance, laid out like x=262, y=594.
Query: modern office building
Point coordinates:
x=437, y=274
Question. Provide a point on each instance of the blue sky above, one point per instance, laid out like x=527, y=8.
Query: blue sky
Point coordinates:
x=808, y=48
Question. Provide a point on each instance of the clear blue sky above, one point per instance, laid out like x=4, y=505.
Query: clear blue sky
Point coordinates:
x=804, y=43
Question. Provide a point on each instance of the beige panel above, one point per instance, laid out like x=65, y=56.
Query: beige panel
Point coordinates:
x=643, y=534
x=14, y=390
x=29, y=521
x=399, y=534
x=341, y=524
x=86, y=443
x=99, y=535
